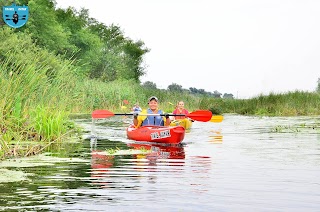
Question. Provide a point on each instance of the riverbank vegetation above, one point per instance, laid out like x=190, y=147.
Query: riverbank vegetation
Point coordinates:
x=63, y=62
x=293, y=103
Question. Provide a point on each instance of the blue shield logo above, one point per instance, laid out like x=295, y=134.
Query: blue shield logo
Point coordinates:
x=15, y=16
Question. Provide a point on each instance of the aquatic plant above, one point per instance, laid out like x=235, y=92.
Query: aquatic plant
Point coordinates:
x=112, y=151
x=283, y=128
x=303, y=127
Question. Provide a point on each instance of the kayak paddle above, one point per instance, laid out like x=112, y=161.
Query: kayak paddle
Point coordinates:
x=216, y=118
x=198, y=115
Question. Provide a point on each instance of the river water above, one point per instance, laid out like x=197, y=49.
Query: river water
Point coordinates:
x=241, y=164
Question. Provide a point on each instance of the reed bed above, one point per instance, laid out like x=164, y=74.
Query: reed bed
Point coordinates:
x=99, y=95
x=293, y=103
x=35, y=87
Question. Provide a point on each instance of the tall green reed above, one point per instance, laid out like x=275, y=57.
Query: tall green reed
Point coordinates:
x=31, y=78
x=281, y=104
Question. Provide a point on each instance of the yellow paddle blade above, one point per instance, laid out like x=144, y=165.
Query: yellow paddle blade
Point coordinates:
x=170, y=103
x=216, y=118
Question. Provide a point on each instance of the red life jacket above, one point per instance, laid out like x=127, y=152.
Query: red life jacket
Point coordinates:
x=177, y=112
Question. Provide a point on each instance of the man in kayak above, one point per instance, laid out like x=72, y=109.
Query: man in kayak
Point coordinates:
x=156, y=120
x=180, y=110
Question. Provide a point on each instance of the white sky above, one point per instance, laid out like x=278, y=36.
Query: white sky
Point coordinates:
x=243, y=47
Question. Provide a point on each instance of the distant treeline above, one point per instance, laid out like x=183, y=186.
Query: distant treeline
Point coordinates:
x=194, y=91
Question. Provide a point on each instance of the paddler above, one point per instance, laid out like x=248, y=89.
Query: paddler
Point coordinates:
x=180, y=110
x=141, y=120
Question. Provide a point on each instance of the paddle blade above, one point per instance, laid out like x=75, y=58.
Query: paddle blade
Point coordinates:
x=200, y=115
x=216, y=118
x=99, y=114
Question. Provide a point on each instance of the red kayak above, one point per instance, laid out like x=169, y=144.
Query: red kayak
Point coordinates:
x=157, y=134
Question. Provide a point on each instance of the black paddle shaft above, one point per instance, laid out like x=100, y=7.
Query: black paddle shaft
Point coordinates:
x=148, y=114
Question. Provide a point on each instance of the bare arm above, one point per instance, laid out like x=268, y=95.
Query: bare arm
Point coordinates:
x=135, y=121
x=168, y=121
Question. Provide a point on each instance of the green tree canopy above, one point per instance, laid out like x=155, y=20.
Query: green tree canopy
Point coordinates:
x=149, y=85
x=175, y=87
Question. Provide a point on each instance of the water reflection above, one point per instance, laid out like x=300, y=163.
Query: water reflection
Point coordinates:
x=119, y=171
x=200, y=171
x=215, y=136
x=160, y=151
x=100, y=164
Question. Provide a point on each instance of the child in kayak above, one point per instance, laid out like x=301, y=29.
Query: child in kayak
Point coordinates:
x=156, y=120
x=136, y=108
x=180, y=110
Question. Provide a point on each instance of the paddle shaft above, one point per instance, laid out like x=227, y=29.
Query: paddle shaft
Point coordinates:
x=147, y=114
x=199, y=115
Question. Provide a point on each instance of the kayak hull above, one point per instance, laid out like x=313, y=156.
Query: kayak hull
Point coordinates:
x=157, y=134
x=186, y=123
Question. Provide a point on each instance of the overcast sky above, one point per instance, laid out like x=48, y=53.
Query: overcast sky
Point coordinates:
x=243, y=47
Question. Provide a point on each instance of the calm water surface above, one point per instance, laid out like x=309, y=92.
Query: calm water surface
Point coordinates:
x=240, y=164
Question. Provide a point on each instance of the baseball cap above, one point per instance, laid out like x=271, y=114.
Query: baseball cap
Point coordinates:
x=153, y=97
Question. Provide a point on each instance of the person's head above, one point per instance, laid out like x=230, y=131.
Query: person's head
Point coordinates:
x=153, y=102
x=181, y=105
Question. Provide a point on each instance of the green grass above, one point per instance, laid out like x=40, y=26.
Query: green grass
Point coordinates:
x=283, y=104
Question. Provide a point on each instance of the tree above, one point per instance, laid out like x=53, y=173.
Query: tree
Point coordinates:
x=318, y=86
x=133, y=59
x=228, y=96
x=217, y=94
x=149, y=85
x=193, y=90
x=121, y=57
x=175, y=87
x=44, y=28
x=201, y=91
x=197, y=91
